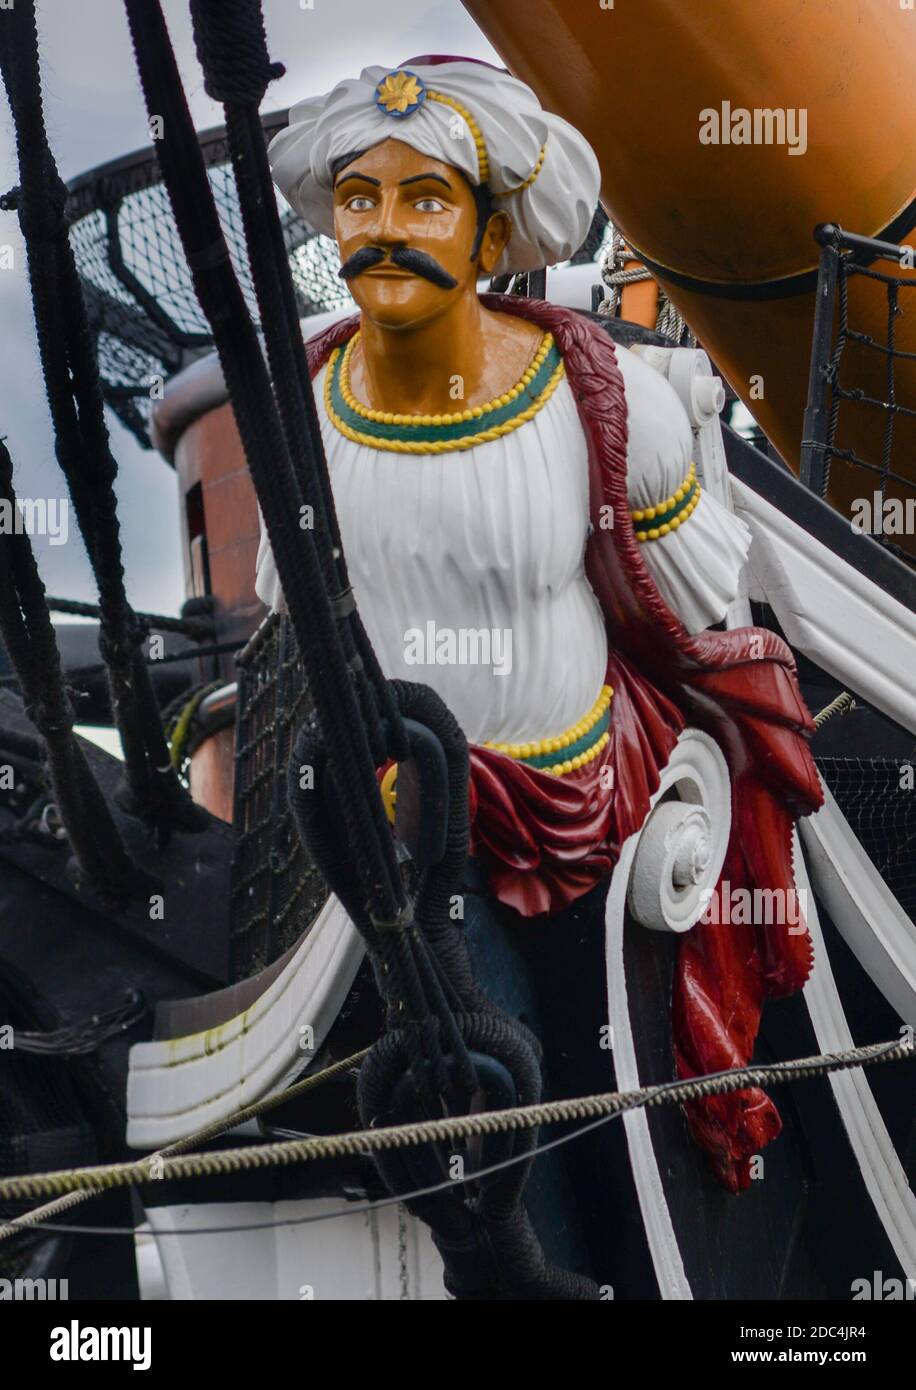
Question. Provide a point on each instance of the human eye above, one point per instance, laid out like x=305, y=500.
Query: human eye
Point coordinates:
x=359, y=203
x=429, y=205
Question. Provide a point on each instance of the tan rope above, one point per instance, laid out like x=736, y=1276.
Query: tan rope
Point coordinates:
x=841, y=705
x=200, y=1136
x=361, y=1143
x=669, y=321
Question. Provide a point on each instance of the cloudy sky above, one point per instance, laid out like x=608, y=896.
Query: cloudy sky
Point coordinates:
x=95, y=113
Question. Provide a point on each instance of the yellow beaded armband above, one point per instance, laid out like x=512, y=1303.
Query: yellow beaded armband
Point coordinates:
x=667, y=516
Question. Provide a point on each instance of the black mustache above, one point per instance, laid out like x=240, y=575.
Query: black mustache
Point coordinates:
x=405, y=258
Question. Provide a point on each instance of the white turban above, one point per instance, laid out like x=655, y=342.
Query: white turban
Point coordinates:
x=470, y=115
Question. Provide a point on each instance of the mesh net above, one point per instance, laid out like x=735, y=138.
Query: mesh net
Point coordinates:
x=276, y=891
x=141, y=302
x=869, y=416
x=140, y=299
x=876, y=797
x=890, y=407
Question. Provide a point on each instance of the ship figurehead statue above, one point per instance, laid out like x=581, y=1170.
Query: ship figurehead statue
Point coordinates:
x=527, y=533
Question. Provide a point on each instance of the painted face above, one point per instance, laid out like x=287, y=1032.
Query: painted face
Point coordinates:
x=393, y=201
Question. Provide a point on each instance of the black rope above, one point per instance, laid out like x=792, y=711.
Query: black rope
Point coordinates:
x=28, y=636
x=67, y=351
x=76, y=673
x=198, y=629
x=232, y=50
x=88, y=1034
x=893, y=309
x=331, y=679
x=438, y=1017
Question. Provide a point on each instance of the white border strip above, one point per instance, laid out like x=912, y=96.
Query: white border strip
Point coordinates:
x=827, y=609
x=881, y=1169
x=180, y=1084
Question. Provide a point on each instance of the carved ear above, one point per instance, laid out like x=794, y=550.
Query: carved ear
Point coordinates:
x=495, y=240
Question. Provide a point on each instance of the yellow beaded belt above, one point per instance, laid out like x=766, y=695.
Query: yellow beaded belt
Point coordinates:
x=580, y=745
x=577, y=746
x=667, y=516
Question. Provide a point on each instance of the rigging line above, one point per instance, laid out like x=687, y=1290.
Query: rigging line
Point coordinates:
x=670, y=1092
x=36, y=1218
x=150, y=662
x=82, y=444
x=276, y=480
x=32, y=646
x=362, y=1143
x=198, y=629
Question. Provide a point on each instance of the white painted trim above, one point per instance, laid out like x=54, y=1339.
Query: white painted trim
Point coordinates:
x=354, y=1256
x=866, y=914
x=881, y=1169
x=827, y=609
x=653, y=1204
x=180, y=1084
x=688, y=762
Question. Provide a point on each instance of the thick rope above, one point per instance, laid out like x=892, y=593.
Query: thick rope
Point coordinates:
x=198, y=629
x=200, y=1136
x=277, y=481
x=105, y=1177
x=841, y=705
x=82, y=446
x=28, y=635
x=669, y=322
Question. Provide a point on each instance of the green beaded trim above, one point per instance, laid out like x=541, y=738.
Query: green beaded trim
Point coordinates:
x=665, y=518
x=572, y=750
x=460, y=429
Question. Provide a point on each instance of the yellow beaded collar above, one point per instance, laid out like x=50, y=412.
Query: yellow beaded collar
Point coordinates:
x=435, y=434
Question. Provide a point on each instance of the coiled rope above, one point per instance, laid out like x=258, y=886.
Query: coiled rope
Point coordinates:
x=669, y=322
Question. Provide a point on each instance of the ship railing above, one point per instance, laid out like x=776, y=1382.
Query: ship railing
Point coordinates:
x=844, y=255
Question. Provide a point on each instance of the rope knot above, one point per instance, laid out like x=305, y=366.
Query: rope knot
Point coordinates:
x=118, y=642
x=232, y=50
x=49, y=719
x=43, y=217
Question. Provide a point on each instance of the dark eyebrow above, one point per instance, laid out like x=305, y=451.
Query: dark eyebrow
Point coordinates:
x=421, y=178
x=367, y=178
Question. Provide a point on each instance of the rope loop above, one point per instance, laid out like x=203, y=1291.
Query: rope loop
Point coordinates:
x=232, y=50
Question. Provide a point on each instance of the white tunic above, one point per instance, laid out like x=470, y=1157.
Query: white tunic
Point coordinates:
x=468, y=565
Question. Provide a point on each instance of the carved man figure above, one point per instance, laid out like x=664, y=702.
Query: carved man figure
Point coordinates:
x=525, y=530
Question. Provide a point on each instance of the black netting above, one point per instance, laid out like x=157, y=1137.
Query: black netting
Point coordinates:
x=276, y=890
x=876, y=797
x=142, y=306
x=42, y=1125
x=855, y=389
x=141, y=303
